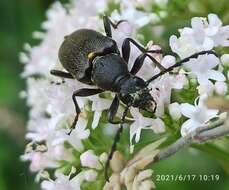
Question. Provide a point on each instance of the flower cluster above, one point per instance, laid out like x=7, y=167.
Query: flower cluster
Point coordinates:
x=78, y=159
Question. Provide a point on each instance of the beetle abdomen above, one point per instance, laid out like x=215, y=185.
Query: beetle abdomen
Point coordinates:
x=73, y=53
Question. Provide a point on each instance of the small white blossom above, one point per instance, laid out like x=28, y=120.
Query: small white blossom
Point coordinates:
x=221, y=88
x=39, y=161
x=225, y=59
x=129, y=12
x=202, y=36
x=174, y=111
x=141, y=122
x=162, y=89
x=63, y=182
x=198, y=115
x=202, y=68
x=207, y=88
x=89, y=159
x=98, y=105
x=78, y=134
x=90, y=175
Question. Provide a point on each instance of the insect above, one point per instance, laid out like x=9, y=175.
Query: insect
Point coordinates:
x=93, y=58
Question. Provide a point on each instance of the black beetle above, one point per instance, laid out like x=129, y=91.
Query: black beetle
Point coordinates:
x=94, y=59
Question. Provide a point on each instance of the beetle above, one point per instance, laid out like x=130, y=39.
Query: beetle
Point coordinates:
x=94, y=59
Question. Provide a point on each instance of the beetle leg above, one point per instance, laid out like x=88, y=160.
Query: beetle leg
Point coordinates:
x=116, y=140
x=113, y=110
x=179, y=63
x=81, y=93
x=140, y=60
x=108, y=23
x=126, y=50
x=61, y=74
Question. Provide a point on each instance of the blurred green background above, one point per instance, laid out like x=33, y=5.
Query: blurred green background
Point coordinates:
x=19, y=18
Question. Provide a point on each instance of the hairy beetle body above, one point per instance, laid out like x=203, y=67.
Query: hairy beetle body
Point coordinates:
x=75, y=49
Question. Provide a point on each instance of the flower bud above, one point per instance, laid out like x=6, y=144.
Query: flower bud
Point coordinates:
x=225, y=59
x=89, y=159
x=147, y=185
x=117, y=162
x=174, y=111
x=103, y=157
x=90, y=175
x=221, y=88
x=37, y=162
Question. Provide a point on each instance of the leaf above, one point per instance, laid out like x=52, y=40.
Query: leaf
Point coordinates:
x=219, y=154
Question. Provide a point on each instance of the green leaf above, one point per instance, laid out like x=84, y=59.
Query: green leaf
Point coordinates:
x=219, y=154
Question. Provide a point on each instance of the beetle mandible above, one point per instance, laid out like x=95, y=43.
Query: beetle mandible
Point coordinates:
x=93, y=58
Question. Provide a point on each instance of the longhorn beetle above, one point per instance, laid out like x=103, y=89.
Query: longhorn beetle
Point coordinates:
x=93, y=58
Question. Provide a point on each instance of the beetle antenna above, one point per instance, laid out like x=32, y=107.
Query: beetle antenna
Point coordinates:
x=179, y=63
x=116, y=140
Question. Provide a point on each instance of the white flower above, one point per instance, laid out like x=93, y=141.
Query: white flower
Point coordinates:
x=39, y=161
x=162, y=88
x=141, y=122
x=124, y=30
x=202, y=36
x=174, y=111
x=89, y=159
x=198, y=115
x=202, y=68
x=129, y=12
x=207, y=88
x=48, y=158
x=147, y=4
x=63, y=182
x=221, y=88
x=98, y=105
x=78, y=134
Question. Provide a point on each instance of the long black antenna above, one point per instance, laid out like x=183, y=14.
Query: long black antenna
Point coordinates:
x=179, y=63
x=116, y=140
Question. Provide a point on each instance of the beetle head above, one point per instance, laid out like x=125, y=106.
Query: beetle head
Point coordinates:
x=134, y=92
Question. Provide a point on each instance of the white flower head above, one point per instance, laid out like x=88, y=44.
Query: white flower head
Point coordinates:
x=204, y=35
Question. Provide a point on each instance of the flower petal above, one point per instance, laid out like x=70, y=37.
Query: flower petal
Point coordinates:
x=97, y=115
x=216, y=75
x=188, y=126
x=202, y=79
x=187, y=110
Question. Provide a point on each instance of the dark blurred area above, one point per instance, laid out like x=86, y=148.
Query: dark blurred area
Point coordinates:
x=19, y=18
